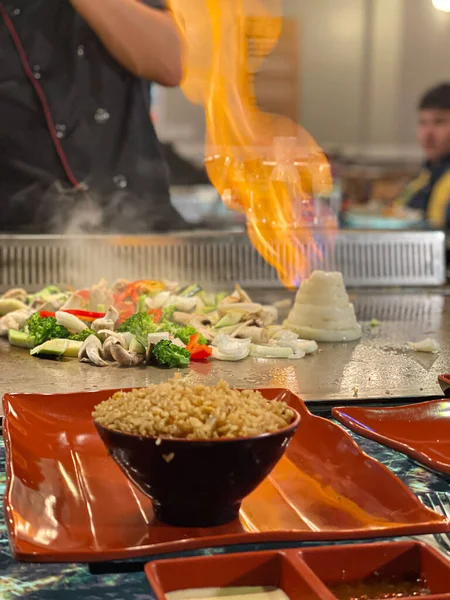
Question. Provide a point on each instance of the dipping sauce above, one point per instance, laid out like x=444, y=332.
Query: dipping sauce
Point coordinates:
x=379, y=590
x=229, y=593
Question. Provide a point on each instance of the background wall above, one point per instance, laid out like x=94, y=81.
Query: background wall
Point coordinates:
x=363, y=66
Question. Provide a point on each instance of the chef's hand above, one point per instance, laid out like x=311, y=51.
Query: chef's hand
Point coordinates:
x=143, y=39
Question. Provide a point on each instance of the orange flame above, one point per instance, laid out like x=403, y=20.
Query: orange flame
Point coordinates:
x=262, y=164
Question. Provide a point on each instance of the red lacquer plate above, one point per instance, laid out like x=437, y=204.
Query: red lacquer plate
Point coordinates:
x=376, y=570
x=421, y=431
x=67, y=500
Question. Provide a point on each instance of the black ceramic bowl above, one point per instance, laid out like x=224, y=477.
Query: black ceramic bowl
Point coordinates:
x=197, y=483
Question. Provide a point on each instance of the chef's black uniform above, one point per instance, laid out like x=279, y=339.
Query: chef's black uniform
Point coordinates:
x=77, y=146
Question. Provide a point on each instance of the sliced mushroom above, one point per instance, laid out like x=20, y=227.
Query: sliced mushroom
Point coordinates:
x=14, y=320
x=102, y=324
x=106, y=350
x=90, y=352
x=120, y=284
x=105, y=334
x=124, y=357
x=16, y=294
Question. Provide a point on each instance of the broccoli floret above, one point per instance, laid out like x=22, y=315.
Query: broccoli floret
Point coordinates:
x=45, y=328
x=140, y=325
x=166, y=354
x=82, y=336
x=168, y=313
x=184, y=334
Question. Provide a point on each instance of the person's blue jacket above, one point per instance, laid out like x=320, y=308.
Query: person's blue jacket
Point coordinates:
x=430, y=193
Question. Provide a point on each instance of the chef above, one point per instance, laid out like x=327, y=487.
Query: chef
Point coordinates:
x=78, y=151
x=430, y=192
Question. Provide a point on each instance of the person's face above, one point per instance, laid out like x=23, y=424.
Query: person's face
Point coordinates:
x=434, y=133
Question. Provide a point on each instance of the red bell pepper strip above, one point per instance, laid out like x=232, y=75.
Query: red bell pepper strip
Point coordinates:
x=198, y=351
x=156, y=313
x=45, y=314
x=142, y=286
x=85, y=314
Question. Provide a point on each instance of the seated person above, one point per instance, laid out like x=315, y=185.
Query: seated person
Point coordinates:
x=430, y=192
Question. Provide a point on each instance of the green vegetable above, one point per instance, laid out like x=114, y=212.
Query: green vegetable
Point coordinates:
x=136, y=346
x=208, y=299
x=51, y=349
x=166, y=354
x=142, y=307
x=168, y=313
x=50, y=290
x=182, y=332
x=191, y=290
x=82, y=336
x=231, y=318
x=73, y=348
x=140, y=325
x=8, y=305
x=221, y=297
x=21, y=339
x=45, y=328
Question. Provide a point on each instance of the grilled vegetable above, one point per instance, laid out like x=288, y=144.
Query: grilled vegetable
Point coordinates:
x=197, y=350
x=168, y=313
x=21, y=339
x=44, y=329
x=90, y=352
x=9, y=305
x=191, y=290
x=82, y=336
x=182, y=333
x=140, y=325
x=70, y=322
x=52, y=349
x=166, y=354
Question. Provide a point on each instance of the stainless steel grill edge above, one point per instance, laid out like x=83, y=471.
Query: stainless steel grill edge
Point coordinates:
x=219, y=259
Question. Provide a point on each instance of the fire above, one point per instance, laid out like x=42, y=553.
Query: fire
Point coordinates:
x=264, y=165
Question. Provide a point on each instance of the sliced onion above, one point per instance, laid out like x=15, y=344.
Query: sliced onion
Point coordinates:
x=270, y=351
x=70, y=322
x=184, y=304
x=239, y=354
x=285, y=334
x=300, y=346
x=158, y=301
x=226, y=342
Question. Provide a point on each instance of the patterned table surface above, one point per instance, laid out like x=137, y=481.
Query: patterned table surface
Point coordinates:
x=120, y=581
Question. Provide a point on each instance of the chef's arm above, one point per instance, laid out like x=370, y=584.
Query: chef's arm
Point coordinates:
x=144, y=40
